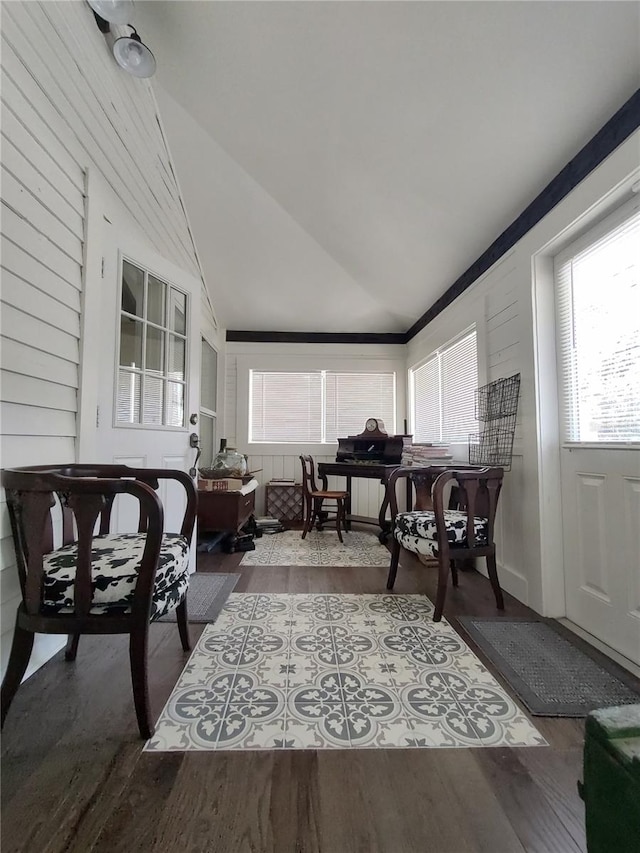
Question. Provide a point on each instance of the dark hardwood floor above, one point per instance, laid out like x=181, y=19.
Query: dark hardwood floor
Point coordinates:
x=74, y=777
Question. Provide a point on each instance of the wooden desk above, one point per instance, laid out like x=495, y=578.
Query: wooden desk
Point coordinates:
x=368, y=471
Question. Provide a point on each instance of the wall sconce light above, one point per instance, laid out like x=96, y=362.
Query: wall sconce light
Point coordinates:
x=129, y=51
x=133, y=56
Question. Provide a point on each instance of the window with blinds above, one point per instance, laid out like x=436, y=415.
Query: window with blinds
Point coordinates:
x=443, y=392
x=598, y=326
x=317, y=406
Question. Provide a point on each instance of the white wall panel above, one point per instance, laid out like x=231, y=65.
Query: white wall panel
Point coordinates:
x=66, y=107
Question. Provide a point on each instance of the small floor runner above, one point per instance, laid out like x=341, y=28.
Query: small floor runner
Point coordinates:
x=553, y=672
x=206, y=596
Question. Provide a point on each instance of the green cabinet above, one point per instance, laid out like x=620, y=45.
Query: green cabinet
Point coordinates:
x=611, y=786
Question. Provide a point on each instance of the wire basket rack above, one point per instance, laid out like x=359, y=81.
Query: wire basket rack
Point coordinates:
x=496, y=409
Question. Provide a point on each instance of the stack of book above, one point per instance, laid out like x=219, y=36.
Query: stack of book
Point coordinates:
x=266, y=524
x=426, y=453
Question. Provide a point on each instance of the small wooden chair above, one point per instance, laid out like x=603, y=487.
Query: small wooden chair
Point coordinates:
x=95, y=582
x=313, y=498
x=448, y=534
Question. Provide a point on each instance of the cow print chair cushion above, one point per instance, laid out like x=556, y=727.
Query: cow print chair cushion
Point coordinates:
x=115, y=562
x=416, y=531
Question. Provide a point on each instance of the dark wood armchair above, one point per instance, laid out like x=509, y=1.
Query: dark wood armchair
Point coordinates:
x=314, y=498
x=93, y=581
x=444, y=533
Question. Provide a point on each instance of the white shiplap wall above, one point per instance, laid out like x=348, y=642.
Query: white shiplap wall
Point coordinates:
x=502, y=305
x=66, y=107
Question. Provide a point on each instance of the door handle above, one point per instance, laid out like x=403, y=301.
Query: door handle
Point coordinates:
x=194, y=441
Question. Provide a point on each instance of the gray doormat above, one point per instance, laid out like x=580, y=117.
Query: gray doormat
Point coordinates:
x=554, y=672
x=206, y=596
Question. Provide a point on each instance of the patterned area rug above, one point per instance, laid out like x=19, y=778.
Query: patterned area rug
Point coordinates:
x=319, y=548
x=335, y=671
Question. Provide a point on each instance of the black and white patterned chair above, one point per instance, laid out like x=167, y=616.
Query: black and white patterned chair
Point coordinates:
x=94, y=581
x=444, y=533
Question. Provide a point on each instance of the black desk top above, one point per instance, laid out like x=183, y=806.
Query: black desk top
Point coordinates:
x=368, y=470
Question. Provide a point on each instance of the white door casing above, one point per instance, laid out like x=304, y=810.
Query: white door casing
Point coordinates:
x=112, y=237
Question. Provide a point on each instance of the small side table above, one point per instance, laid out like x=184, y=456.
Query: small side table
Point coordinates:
x=284, y=501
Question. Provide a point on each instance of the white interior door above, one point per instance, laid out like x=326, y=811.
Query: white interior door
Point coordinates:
x=601, y=521
x=142, y=348
x=598, y=286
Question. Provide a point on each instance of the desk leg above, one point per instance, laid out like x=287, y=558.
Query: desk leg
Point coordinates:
x=347, y=506
x=385, y=526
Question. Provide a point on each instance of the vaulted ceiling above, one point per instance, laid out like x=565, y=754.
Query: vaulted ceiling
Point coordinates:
x=342, y=163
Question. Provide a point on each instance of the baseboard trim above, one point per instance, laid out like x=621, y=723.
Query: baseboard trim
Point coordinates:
x=45, y=647
x=623, y=661
x=511, y=581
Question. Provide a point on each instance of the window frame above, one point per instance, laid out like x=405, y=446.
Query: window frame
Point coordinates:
x=323, y=374
x=169, y=284
x=446, y=343
x=583, y=241
x=376, y=363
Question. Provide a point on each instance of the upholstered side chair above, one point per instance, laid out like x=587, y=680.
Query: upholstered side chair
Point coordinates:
x=78, y=578
x=447, y=529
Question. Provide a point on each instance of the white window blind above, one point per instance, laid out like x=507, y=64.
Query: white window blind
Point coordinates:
x=444, y=392
x=598, y=321
x=317, y=406
x=351, y=398
x=285, y=407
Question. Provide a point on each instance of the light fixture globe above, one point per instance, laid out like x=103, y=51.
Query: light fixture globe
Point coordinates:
x=134, y=56
x=114, y=11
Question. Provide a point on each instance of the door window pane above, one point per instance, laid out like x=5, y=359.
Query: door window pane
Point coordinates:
x=155, y=350
x=209, y=377
x=128, y=400
x=153, y=400
x=175, y=404
x=207, y=440
x=130, y=343
x=178, y=308
x=156, y=295
x=598, y=309
x=176, y=357
x=132, y=289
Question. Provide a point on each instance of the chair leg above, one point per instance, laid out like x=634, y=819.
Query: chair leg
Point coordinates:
x=346, y=526
x=307, y=517
x=338, y=516
x=495, y=583
x=71, y=649
x=16, y=668
x=183, y=624
x=454, y=572
x=441, y=593
x=393, y=565
x=138, y=643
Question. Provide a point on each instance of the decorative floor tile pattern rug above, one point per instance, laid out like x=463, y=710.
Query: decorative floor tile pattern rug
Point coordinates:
x=335, y=671
x=319, y=548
